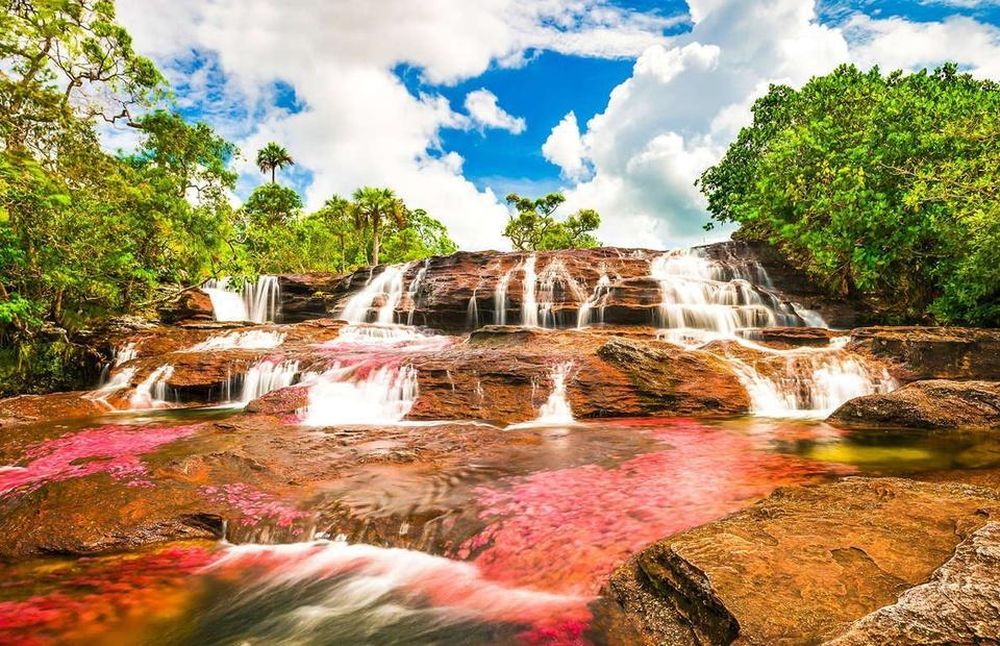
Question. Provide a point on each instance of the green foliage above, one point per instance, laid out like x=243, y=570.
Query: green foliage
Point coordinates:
x=879, y=186
x=271, y=204
x=272, y=157
x=534, y=228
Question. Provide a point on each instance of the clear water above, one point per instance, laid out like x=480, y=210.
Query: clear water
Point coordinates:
x=511, y=548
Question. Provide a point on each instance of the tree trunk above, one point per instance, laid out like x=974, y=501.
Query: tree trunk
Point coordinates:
x=375, y=242
x=273, y=169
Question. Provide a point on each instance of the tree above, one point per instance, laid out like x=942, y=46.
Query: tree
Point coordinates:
x=534, y=228
x=338, y=219
x=373, y=209
x=270, y=205
x=272, y=157
x=422, y=237
x=882, y=187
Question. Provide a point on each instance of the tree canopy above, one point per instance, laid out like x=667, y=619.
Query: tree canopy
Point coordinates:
x=533, y=227
x=880, y=186
x=272, y=157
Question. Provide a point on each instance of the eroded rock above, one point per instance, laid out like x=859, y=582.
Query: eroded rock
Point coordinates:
x=917, y=353
x=937, y=403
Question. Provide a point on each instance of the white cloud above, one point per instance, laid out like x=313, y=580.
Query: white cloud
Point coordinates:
x=360, y=125
x=564, y=148
x=687, y=99
x=485, y=112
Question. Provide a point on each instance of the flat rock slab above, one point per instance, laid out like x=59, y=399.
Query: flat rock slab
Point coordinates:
x=936, y=403
x=918, y=352
x=959, y=605
x=802, y=565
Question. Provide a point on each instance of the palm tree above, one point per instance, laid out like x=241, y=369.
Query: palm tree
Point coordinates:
x=372, y=207
x=337, y=213
x=272, y=157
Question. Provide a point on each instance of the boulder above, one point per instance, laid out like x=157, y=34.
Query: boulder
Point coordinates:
x=959, y=605
x=26, y=409
x=802, y=565
x=916, y=353
x=937, y=403
x=190, y=305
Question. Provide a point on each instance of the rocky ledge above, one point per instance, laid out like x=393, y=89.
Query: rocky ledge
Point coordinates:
x=937, y=403
x=805, y=564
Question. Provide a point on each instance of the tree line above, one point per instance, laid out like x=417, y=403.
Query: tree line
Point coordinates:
x=884, y=188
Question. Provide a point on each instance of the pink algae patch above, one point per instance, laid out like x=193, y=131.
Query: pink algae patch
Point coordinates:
x=253, y=504
x=565, y=530
x=83, y=600
x=114, y=450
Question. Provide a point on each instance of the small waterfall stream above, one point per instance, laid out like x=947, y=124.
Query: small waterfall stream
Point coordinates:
x=343, y=395
x=265, y=376
x=152, y=392
x=258, y=301
x=529, y=306
x=382, y=294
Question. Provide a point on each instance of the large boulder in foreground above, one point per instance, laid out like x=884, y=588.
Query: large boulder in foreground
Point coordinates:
x=937, y=403
x=916, y=353
x=803, y=564
x=960, y=605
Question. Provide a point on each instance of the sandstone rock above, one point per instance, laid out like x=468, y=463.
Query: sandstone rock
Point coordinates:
x=918, y=353
x=791, y=337
x=937, y=403
x=959, y=605
x=801, y=565
x=192, y=304
x=26, y=409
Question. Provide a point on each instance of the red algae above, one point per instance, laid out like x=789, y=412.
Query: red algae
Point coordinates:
x=565, y=530
x=114, y=450
x=87, y=598
x=254, y=505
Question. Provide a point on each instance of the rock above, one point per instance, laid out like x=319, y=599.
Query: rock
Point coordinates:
x=25, y=409
x=790, y=337
x=192, y=304
x=918, y=353
x=959, y=605
x=803, y=564
x=937, y=403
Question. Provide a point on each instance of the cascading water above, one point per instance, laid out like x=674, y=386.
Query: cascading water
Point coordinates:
x=598, y=299
x=555, y=275
x=343, y=396
x=413, y=292
x=529, y=306
x=249, y=340
x=152, y=392
x=258, y=302
x=125, y=354
x=387, y=286
x=265, y=376
x=556, y=411
x=500, y=296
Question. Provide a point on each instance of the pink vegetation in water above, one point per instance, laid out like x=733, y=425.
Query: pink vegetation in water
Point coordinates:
x=114, y=450
x=565, y=530
x=255, y=505
x=86, y=597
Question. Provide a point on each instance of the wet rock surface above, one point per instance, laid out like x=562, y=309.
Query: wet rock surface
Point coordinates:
x=801, y=565
x=937, y=403
x=932, y=352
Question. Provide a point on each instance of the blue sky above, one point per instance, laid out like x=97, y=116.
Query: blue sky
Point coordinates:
x=620, y=103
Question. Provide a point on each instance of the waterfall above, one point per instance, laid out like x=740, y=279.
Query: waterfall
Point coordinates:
x=472, y=311
x=555, y=274
x=258, y=302
x=529, y=307
x=248, y=340
x=807, y=382
x=414, y=291
x=262, y=299
x=388, y=286
x=500, y=296
x=599, y=298
x=341, y=396
x=705, y=298
x=556, y=409
x=125, y=354
x=152, y=392
x=265, y=376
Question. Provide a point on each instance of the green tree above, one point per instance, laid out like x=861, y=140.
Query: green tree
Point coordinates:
x=534, y=228
x=375, y=208
x=882, y=187
x=272, y=157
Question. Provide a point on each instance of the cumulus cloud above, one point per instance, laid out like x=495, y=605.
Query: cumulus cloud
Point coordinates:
x=564, y=148
x=485, y=112
x=687, y=99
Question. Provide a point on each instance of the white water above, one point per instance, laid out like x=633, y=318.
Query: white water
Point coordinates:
x=556, y=411
x=529, y=306
x=339, y=396
x=386, y=287
x=265, y=376
x=249, y=340
x=555, y=275
x=119, y=381
x=125, y=354
x=702, y=294
x=398, y=338
x=598, y=299
x=152, y=392
x=500, y=296
x=413, y=292
x=258, y=301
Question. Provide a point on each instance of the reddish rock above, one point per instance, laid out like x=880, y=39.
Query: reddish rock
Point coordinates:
x=937, y=403
x=959, y=605
x=190, y=305
x=791, y=337
x=26, y=409
x=916, y=353
x=802, y=565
